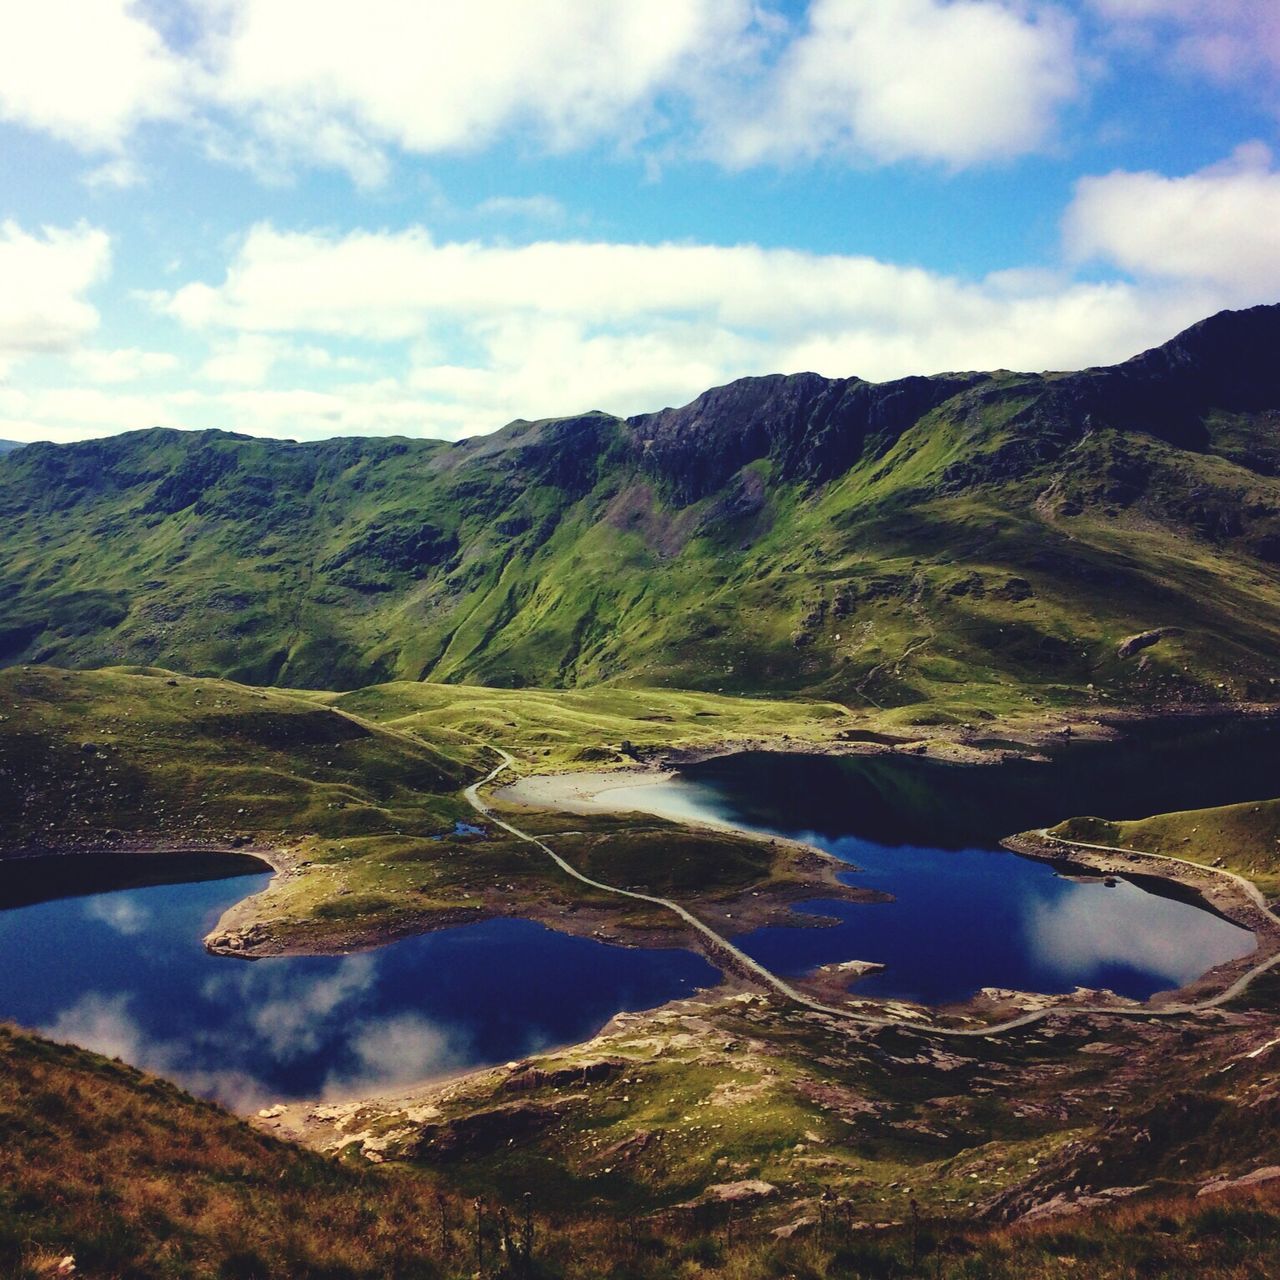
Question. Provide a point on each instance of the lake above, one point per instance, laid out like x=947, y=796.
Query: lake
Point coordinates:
x=125, y=973
x=120, y=968
x=967, y=914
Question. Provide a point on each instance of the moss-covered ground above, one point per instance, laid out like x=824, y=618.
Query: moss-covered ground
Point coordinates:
x=1244, y=838
x=357, y=797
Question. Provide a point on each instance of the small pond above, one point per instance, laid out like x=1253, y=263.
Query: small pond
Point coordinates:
x=124, y=972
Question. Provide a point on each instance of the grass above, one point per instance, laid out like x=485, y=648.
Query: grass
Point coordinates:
x=586, y=728
x=360, y=793
x=1244, y=838
x=984, y=557
x=134, y=1178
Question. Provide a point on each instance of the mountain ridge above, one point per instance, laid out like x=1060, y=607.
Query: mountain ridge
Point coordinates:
x=786, y=533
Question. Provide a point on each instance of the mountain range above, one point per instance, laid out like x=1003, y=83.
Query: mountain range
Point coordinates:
x=965, y=540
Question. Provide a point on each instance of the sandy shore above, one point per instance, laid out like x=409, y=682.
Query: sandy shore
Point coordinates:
x=587, y=793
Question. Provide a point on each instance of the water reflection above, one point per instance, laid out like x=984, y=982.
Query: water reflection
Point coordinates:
x=1082, y=934
x=124, y=973
x=963, y=918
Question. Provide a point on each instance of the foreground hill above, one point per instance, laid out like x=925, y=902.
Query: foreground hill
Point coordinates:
x=973, y=540
x=117, y=1174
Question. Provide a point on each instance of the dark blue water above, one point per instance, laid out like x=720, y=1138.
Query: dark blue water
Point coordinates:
x=966, y=914
x=125, y=973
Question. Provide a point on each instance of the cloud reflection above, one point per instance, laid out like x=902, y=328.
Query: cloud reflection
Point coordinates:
x=125, y=914
x=1086, y=931
x=398, y=1050
x=293, y=1014
x=269, y=1018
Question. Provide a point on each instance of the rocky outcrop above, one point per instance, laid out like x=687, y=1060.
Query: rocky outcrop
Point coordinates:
x=1258, y=1178
x=812, y=428
x=486, y=1130
x=1144, y=640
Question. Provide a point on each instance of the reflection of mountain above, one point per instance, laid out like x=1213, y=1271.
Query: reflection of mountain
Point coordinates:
x=1084, y=936
x=903, y=799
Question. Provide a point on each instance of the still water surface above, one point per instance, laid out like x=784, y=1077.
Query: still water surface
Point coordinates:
x=125, y=973
x=966, y=914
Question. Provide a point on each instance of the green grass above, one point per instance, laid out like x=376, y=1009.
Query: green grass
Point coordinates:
x=984, y=558
x=1244, y=838
x=586, y=728
x=361, y=792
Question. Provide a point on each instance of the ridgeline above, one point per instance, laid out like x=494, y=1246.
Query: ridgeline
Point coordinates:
x=967, y=541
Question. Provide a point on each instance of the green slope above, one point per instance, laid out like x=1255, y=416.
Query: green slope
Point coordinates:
x=357, y=796
x=973, y=542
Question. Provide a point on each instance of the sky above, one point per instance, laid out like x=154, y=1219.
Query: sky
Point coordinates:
x=305, y=218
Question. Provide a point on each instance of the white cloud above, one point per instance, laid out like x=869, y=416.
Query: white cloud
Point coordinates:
x=1220, y=225
x=103, y=1024
x=270, y=84
x=290, y=1013
x=493, y=332
x=744, y=300
x=127, y=364
x=117, y=174
x=398, y=1050
x=43, y=280
x=86, y=71
x=960, y=83
x=1086, y=930
x=327, y=82
x=122, y=912
x=249, y=359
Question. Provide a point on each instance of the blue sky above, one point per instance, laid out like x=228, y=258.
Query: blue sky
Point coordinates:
x=304, y=218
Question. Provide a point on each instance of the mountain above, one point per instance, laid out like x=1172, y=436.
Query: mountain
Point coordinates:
x=8, y=446
x=968, y=540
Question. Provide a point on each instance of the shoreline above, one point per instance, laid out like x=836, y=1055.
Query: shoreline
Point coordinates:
x=585, y=792
x=1221, y=892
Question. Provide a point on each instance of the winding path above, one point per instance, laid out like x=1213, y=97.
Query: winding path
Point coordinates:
x=739, y=958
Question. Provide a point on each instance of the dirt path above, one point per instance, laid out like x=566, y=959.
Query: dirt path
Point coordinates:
x=742, y=963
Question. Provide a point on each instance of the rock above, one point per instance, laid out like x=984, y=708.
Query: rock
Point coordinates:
x=1269, y=1173
x=1065, y=1205
x=798, y=1227
x=270, y=1113
x=629, y=1148
x=855, y=968
x=593, y=1071
x=1144, y=640
x=748, y=1191
x=488, y=1129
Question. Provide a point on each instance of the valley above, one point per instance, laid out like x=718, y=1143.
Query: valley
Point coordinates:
x=776, y=836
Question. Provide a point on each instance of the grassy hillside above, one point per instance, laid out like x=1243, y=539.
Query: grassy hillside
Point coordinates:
x=587, y=726
x=1244, y=838
x=357, y=796
x=132, y=1178
x=955, y=546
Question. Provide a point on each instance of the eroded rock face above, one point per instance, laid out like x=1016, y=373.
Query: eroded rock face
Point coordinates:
x=484, y=1130
x=579, y=1074
x=812, y=428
